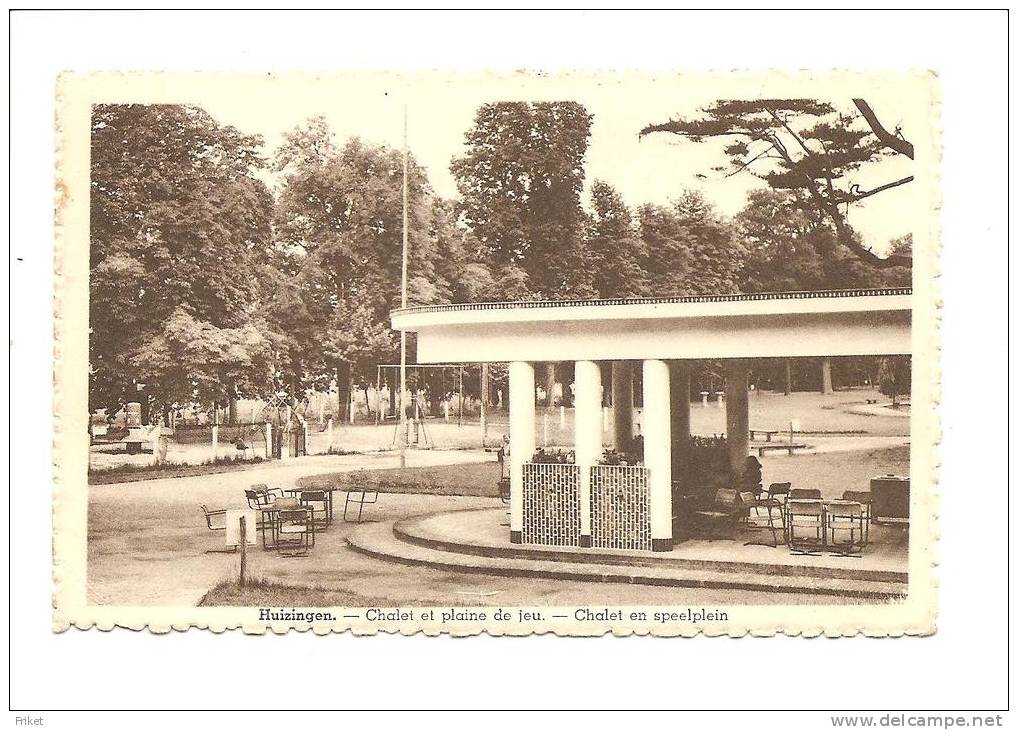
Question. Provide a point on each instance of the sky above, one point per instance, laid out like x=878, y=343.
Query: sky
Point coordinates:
x=440, y=108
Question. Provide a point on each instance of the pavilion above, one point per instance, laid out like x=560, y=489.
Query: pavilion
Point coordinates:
x=589, y=504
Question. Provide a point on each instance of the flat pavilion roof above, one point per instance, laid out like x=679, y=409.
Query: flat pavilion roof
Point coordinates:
x=779, y=324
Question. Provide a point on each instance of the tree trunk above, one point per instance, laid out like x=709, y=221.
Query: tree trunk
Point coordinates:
x=788, y=376
x=826, y=383
x=343, y=384
x=549, y=385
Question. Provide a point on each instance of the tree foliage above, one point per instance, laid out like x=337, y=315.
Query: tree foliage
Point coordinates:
x=806, y=147
x=615, y=253
x=179, y=228
x=520, y=183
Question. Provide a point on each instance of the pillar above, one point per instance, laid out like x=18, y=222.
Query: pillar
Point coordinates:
x=737, y=415
x=622, y=405
x=657, y=448
x=588, y=435
x=678, y=385
x=268, y=440
x=522, y=439
x=788, y=376
x=826, y=383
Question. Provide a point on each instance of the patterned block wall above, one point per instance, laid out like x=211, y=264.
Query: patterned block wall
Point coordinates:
x=551, y=504
x=620, y=507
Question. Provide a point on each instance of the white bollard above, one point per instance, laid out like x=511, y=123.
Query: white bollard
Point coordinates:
x=215, y=442
x=703, y=397
x=721, y=399
x=154, y=437
x=268, y=440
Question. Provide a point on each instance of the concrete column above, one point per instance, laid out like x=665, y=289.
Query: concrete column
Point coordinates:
x=657, y=448
x=622, y=404
x=737, y=415
x=522, y=439
x=588, y=435
x=678, y=381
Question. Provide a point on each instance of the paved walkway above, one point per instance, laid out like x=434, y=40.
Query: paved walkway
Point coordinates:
x=148, y=541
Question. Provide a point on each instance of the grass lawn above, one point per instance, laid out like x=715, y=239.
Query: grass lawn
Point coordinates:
x=267, y=594
x=463, y=480
x=138, y=472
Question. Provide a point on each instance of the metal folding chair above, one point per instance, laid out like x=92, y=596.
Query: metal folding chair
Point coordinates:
x=866, y=500
x=318, y=502
x=294, y=531
x=362, y=499
x=845, y=517
x=806, y=527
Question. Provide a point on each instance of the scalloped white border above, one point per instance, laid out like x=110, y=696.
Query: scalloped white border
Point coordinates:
x=915, y=615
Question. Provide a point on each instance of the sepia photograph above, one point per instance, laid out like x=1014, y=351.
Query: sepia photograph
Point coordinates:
x=512, y=350
x=508, y=361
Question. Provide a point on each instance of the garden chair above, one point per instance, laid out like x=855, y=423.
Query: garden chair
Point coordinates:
x=364, y=496
x=845, y=516
x=720, y=517
x=215, y=519
x=773, y=500
x=805, y=526
x=504, y=484
x=751, y=502
x=318, y=502
x=294, y=531
x=805, y=494
x=866, y=500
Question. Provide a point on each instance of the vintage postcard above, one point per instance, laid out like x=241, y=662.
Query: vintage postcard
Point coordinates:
x=535, y=352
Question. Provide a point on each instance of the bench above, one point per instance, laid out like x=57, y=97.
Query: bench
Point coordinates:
x=766, y=431
x=762, y=448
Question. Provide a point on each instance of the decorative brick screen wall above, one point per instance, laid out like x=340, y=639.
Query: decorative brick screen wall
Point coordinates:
x=551, y=504
x=620, y=507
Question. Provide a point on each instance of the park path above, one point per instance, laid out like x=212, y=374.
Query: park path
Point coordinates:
x=147, y=539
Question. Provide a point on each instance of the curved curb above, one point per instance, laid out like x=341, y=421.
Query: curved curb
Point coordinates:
x=519, y=569
x=404, y=530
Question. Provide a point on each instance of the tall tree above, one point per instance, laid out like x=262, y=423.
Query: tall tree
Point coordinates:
x=806, y=146
x=691, y=249
x=520, y=184
x=180, y=226
x=614, y=249
x=339, y=229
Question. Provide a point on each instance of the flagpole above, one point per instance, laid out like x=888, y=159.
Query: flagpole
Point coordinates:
x=402, y=333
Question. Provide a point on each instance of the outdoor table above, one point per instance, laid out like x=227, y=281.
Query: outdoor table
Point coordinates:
x=296, y=492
